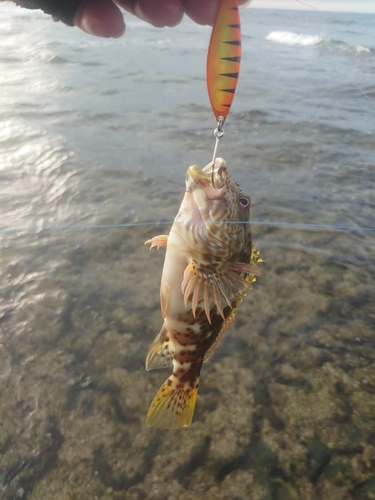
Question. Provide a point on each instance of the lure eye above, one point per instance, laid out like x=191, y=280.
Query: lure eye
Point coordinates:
x=244, y=201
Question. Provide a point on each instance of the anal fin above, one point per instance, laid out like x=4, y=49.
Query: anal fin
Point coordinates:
x=160, y=354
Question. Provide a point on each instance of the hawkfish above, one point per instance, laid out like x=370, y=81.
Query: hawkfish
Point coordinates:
x=210, y=265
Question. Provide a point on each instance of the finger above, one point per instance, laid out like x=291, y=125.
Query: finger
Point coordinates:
x=203, y=11
x=100, y=17
x=159, y=13
x=128, y=5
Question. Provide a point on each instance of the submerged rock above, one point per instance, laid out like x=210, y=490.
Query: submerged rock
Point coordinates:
x=286, y=406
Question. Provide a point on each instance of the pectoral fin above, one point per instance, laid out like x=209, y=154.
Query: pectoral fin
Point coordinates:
x=158, y=241
x=160, y=354
x=218, y=284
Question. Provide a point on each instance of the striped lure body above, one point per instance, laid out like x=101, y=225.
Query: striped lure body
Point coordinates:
x=224, y=56
x=209, y=267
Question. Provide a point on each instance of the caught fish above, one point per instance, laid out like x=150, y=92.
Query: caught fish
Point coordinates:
x=210, y=265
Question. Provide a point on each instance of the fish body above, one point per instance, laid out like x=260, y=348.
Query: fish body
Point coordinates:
x=208, y=269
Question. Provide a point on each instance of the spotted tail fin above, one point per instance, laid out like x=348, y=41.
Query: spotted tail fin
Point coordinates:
x=173, y=406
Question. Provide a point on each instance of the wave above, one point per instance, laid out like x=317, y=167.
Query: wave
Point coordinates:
x=290, y=38
x=351, y=47
x=361, y=48
x=297, y=39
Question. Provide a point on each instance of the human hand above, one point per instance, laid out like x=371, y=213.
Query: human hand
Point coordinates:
x=104, y=18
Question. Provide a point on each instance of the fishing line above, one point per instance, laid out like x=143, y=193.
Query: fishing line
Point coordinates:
x=299, y=225
x=346, y=75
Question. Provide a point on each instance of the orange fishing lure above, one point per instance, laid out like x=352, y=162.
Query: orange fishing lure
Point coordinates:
x=223, y=59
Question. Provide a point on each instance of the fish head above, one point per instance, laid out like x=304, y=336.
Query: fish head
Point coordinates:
x=220, y=204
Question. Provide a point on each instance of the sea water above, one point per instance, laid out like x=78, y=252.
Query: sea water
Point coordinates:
x=95, y=139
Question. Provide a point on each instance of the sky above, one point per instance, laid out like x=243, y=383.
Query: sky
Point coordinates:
x=322, y=5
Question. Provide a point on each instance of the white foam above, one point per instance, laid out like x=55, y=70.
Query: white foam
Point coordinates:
x=361, y=48
x=290, y=38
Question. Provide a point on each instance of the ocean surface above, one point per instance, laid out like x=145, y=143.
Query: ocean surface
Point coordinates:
x=95, y=139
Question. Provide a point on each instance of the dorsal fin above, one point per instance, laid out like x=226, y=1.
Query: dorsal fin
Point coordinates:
x=255, y=271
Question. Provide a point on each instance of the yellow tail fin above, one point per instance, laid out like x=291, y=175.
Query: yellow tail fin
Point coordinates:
x=173, y=406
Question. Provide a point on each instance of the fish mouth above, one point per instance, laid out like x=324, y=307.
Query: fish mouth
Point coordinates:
x=195, y=177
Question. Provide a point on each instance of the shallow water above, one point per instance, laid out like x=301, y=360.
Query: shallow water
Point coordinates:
x=287, y=401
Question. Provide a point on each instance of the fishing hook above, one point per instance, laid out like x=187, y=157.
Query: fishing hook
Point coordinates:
x=218, y=133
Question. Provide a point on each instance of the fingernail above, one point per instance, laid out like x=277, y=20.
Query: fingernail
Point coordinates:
x=107, y=24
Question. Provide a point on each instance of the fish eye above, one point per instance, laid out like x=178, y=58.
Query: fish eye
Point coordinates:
x=244, y=201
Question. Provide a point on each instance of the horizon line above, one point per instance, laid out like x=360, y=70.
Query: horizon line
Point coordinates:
x=343, y=7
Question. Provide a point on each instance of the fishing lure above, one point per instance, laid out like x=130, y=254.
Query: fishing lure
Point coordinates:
x=223, y=64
